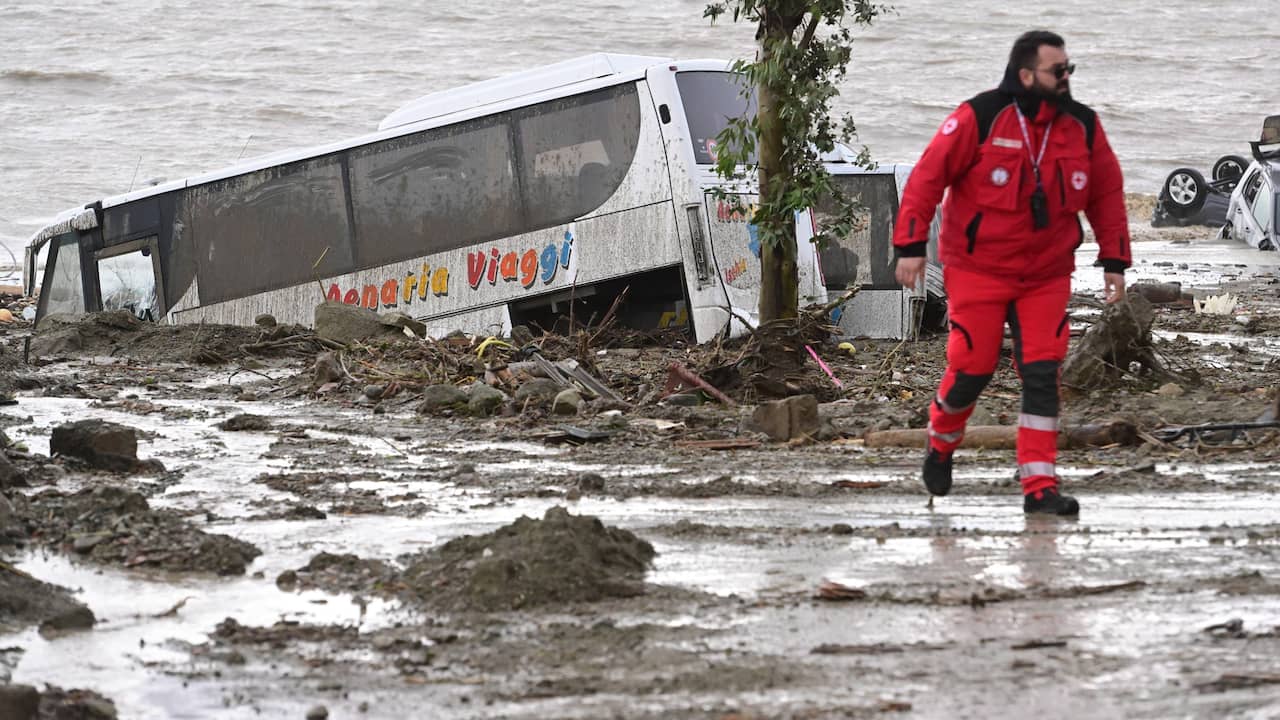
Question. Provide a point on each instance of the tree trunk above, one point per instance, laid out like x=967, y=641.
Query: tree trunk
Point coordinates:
x=779, y=280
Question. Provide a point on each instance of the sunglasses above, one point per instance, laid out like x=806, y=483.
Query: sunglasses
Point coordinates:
x=1060, y=71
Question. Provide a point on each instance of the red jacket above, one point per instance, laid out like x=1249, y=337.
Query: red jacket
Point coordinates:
x=981, y=155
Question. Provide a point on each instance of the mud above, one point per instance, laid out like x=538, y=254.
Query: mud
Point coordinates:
x=114, y=525
x=385, y=563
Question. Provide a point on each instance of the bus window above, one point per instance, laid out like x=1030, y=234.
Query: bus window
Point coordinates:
x=575, y=152
x=269, y=229
x=128, y=282
x=711, y=100
x=432, y=191
x=63, y=290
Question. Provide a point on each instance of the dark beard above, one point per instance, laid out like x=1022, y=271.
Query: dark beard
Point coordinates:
x=1051, y=95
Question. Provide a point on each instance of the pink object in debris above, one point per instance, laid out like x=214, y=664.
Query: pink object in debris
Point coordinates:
x=824, y=367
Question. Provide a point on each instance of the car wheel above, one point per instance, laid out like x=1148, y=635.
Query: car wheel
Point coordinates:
x=1185, y=191
x=1229, y=167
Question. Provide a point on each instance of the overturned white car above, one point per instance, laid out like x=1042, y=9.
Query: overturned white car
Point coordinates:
x=1251, y=212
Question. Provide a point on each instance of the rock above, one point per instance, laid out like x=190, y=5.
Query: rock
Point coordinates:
x=591, y=482
x=536, y=392
x=265, y=321
x=347, y=323
x=56, y=341
x=86, y=543
x=327, y=369
x=842, y=529
x=78, y=617
x=684, y=399
x=437, y=399
x=567, y=402
x=404, y=322
x=521, y=336
x=19, y=702
x=485, y=400
x=318, y=712
x=287, y=580
x=787, y=419
x=374, y=392
x=102, y=444
x=1171, y=389
x=244, y=422
x=10, y=475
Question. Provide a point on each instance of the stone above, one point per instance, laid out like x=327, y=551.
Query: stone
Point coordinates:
x=536, y=392
x=591, y=482
x=787, y=419
x=1171, y=390
x=437, y=399
x=374, y=392
x=567, y=402
x=244, y=422
x=318, y=712
x=327, y=369
x=19, y=702
x=684, y=399
x=347, y=323
x=842, y=529
x=265, y=321
x=104, y=445
x=484, y=400
x=10, y=475
x=76, y=617
x=521, y=335
x=404, y=322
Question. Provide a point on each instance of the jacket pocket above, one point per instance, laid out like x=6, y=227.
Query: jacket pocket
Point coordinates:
x=971, y=231
x=1073, y=182
x=997, y=178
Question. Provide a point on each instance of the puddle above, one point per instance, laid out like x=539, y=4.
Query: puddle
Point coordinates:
x=115, y=655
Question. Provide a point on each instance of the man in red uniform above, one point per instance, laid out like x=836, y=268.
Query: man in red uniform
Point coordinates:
x=1021, y=162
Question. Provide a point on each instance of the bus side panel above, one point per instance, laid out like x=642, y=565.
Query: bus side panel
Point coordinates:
x=598, y=248
x=631, y=230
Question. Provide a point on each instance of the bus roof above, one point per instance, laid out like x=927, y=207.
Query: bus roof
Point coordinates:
x=528, y=82
x=442, y=108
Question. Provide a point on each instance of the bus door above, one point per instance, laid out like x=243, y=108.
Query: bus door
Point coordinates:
x=689, y=174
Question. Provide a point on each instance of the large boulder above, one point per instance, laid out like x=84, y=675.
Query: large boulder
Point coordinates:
x=104, y=445
x=347, y=323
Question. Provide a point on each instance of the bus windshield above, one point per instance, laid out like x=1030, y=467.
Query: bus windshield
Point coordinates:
x=711, y=100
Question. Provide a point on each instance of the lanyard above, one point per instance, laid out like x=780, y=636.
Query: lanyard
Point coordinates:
x=1044, y=144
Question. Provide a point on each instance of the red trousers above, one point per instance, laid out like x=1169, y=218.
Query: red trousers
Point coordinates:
x=979, y=306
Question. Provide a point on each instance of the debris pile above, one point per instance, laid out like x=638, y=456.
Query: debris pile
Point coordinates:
x=116, y=526
x=559, y=559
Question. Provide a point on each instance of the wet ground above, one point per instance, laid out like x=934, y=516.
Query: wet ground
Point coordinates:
x=1162, y=600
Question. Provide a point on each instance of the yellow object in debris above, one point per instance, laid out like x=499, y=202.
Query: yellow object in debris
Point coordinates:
x=491, y=341
x=5, y=316
x=847, y=347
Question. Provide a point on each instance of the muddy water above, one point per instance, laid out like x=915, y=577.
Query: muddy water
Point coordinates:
x=923, y=566
x=968, y=608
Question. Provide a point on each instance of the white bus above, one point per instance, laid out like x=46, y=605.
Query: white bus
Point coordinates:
x=510, y=201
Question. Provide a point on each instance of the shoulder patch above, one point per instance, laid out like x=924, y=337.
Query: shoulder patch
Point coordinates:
x=950, y=125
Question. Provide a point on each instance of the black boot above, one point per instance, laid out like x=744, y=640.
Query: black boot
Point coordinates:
x=1049, y=502
x=937, y=472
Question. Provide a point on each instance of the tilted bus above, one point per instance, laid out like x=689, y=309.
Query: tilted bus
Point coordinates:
x=510, y=201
